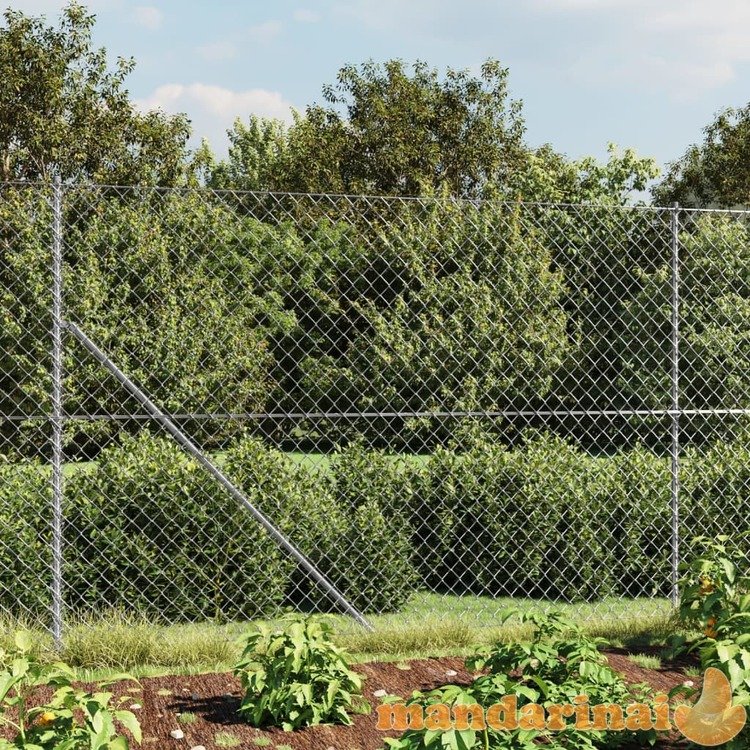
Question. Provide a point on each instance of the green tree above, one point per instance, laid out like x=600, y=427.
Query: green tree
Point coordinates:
x=715, y=173
x=182, y=293
x=257, y=155
x=460, y=309
x=551, y=177
x=406, y=132
x=714, y=327
x=394, y=129
x=389, y=129
x=63, y=111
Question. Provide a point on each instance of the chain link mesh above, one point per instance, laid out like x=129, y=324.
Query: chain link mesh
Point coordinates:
x=442, y=404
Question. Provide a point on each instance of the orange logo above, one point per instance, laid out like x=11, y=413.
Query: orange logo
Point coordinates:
x=713, y=720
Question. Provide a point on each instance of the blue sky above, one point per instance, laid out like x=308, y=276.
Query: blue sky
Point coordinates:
x=642, y=73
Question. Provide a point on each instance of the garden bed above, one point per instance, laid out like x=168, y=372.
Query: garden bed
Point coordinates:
x=205, y=706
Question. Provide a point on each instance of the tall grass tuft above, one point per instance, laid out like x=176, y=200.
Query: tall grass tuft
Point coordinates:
x=125, y=641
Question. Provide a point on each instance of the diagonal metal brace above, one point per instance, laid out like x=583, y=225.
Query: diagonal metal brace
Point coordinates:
x=190, y=447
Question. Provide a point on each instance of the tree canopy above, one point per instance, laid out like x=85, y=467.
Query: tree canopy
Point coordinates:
x=388, y=129
x=715, y=173
x=394, y=129
x=64, y=112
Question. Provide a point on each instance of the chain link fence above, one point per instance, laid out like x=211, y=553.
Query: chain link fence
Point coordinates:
x=220, y=405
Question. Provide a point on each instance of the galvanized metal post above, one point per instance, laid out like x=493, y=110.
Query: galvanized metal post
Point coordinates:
x=675, y=408
x=57, y=414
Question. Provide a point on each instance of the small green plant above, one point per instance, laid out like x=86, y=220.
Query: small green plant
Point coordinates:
x=261, y=741
x=714, y=592
x=647, y=661
x=72, y=719
x=295, y=677
x=188, y=717
x=715, y=599
x=226, y=739
x=559, y=663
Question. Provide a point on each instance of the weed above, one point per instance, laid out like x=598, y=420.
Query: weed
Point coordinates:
x=646, y=661
x=71, y=718
x=226, y=739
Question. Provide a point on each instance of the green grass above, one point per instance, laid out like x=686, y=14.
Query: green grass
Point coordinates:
x=131, y=642
x=187, y=718
x=454, y=624
x=646, y=661
x=430, y=625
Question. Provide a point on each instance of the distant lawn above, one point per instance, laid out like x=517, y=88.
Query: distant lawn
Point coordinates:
x=313, y=461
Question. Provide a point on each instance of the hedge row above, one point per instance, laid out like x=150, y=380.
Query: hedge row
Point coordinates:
x=147, y=529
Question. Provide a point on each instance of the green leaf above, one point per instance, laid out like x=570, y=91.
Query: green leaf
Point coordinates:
x=130, y=722
x=23, y=641
x=730, y=569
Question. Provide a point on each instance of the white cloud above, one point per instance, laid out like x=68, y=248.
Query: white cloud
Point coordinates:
x=148, y=17
x=699, y=15
x=385, y=15
x=264, y=32
x=213, y=109
x=217, y=100
x=682, y=48
x=564, y=5
x=305, y=15
x=230, y=47
x=682, y=79
x=217, y=51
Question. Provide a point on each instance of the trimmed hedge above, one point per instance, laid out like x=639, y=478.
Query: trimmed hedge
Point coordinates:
x=372, y=561
x=719, y=490
x=25, y=538
x=636, y=522
x=154, y=533
x=350, y=520
x=149, y=530
x=543, y=521
x=146, y=529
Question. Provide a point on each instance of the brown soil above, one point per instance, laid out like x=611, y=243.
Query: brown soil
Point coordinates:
x=212, y=700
